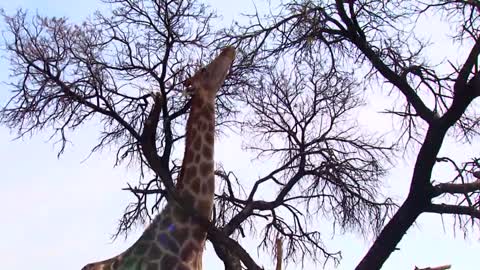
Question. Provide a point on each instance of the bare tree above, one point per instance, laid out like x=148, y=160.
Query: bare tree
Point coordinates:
x=298, y=113
x=381, y=37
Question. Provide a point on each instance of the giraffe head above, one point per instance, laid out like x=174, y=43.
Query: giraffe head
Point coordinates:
x=210, y=78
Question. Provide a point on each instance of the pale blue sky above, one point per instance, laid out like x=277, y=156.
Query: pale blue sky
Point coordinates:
x=60, y=213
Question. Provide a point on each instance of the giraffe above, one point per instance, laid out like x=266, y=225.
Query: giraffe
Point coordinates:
x=174, y=240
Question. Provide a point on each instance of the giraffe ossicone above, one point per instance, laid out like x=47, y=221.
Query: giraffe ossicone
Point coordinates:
x=174, y=240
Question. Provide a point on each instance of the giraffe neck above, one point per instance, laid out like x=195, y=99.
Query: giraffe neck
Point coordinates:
x=197, y=173
x=196, y=177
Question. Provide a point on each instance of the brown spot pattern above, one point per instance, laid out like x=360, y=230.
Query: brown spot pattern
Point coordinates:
x=168, y=262
x=187, y=198
x=179, y=214
x=188, y=157
x=180, y=235
x=152, y=266
x=206, y=168
x=149, y=233
x=182, y=266
x=205, y=188
x=190, y=172
x=188, y=251
x=208, y=111
x=202, y=125
x=207, y=151
x=197, y=104
x=209, y=138
x=141, y=248
x=167, y=242
x=204, y=207
x=180, y=183
x=197, y=143
x=211, y=186
x=166, y=221
x=196, y=185
x=199, y=234
x=155, y=252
